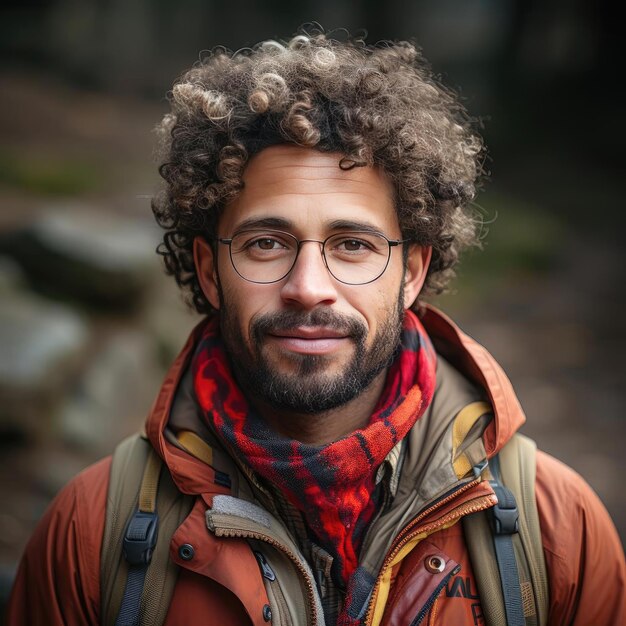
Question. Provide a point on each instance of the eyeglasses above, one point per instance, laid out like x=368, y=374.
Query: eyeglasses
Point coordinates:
x=267, y=256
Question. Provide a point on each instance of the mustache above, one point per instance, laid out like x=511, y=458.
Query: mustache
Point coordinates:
x=272, y=323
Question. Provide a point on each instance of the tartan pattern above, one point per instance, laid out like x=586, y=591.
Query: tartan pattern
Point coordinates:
x=333, y=486
x=332, y=595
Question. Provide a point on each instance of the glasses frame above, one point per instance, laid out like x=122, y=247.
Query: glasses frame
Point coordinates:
x=391, y=243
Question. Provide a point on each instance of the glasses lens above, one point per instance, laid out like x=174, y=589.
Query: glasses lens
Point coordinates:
x=263, y=256
x=267, y=256
x=358, y=257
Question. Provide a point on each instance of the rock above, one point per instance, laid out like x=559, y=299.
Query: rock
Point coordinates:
x=114, y=394
x=168, y=319
x=101, y=258
x=11, y=276
x=41, y=345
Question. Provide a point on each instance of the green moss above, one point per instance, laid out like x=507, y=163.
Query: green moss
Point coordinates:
x=47, y=176
x=521, y=243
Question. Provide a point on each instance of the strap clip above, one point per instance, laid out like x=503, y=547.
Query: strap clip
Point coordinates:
x=140, y=538
x=479, y=468
x=505, y=512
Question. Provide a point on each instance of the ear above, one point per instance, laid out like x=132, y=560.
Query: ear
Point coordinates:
x=415, y=272
x=206, y=270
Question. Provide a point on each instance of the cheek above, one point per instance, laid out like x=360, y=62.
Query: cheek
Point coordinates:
x=387, y=303
x=375, y=306
x=243, y=303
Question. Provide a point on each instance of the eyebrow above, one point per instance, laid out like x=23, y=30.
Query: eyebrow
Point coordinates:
x=263, y=222
x=282, y=223
x=354, y=225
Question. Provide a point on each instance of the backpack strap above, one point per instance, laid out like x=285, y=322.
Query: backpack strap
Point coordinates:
x=137, y=576
x=196, y=446
x=518, y=465
x=505, y=526
x=505, y=544
x=140, y=539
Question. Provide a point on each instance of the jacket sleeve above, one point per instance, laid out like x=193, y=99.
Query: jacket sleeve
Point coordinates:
x=57, y=582
x=584, y=556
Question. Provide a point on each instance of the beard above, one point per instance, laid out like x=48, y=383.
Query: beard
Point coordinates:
x=309, y=388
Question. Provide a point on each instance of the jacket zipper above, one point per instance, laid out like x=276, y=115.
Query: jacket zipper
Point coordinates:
x=412, y=529
x=275, y=593
x=438, y=504
x=241, y=534
x=266, y=570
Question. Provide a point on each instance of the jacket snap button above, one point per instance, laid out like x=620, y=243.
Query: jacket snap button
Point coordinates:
x=435, y=564
x=186, y=552
x=267, y=613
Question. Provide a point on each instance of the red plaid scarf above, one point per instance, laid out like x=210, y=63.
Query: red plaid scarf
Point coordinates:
x=332, y=485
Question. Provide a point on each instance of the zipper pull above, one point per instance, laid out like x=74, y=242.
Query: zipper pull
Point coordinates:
x=266, y=570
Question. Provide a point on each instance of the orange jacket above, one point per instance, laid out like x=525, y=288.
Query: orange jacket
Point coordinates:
x=58, y=581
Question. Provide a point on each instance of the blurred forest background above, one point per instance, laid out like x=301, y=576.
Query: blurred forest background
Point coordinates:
x=88, y=321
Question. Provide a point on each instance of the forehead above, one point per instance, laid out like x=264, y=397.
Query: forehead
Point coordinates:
x=307, y=191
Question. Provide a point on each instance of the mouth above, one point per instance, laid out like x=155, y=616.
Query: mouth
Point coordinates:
x=309, y=340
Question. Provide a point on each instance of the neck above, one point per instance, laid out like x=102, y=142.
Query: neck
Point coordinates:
x=322, y=428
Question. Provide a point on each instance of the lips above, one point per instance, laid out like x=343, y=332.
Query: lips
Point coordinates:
x=319, y=332
x=312, y=333
x=309, y=340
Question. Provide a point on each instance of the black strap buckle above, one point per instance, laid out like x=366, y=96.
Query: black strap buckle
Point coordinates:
x=505, y=513
x=141, y=537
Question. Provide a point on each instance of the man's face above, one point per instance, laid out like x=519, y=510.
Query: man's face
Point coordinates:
x=309, y=343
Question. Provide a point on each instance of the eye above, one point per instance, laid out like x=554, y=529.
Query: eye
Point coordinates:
x=352, y=245
x=266, y=243
x=262, y=244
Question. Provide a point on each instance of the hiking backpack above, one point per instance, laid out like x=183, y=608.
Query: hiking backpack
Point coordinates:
x=138, y=577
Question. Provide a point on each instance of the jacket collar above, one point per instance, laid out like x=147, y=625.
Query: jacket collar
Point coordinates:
x=475, y=363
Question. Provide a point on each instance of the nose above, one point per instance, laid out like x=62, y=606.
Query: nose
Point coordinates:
x=309, y=283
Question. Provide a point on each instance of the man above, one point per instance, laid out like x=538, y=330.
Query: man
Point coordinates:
x=314, y=191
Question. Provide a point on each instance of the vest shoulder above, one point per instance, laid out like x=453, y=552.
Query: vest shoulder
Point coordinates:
x=453, y=390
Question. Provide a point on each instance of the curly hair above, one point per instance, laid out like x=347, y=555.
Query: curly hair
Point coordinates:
x=375, y=104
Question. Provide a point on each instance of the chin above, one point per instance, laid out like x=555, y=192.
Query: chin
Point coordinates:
x=298, y=364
